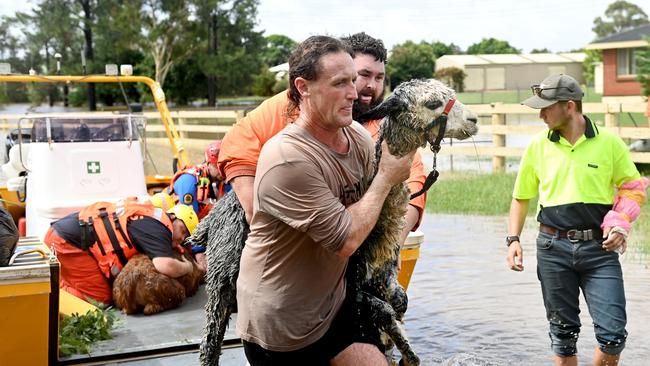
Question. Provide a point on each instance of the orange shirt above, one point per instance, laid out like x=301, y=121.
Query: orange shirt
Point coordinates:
x=240, y=148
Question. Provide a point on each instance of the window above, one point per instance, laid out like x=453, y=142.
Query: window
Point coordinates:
x=625, y=61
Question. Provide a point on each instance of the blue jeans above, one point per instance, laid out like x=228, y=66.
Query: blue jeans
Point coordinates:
x=563, y=268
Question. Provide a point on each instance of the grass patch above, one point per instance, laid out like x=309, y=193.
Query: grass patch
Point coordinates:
x=490, y=195
x=481, y=194
x=77, y=333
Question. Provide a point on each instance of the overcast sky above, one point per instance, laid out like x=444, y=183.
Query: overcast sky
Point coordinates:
x=559, y=25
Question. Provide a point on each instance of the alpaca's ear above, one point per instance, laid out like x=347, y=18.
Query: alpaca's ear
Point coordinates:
x=390, y=105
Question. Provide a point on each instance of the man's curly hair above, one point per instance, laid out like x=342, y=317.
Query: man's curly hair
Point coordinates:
x=364, y=44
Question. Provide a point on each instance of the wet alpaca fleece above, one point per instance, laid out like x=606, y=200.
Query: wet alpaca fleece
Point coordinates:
x=140, y=287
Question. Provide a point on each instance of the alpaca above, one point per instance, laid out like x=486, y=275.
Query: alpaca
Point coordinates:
x=139, y=286
x=415, y=114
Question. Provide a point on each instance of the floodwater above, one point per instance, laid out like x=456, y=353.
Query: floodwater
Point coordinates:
x=467, y=308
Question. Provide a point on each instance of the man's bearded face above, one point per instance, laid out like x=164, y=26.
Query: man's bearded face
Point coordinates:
x=371, y=74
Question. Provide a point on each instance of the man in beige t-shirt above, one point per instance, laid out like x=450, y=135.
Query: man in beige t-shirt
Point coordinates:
x=311, y=211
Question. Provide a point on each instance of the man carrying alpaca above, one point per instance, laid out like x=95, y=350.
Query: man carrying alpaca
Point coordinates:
x=310, y=213
x=589, y=193
x=241, y=145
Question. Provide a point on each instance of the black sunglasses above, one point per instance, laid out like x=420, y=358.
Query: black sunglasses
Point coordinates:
x=537, y=90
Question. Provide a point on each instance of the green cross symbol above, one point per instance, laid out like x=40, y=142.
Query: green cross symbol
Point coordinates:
x=93, y=167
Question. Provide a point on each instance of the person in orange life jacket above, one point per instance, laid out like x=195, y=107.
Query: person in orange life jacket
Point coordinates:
x=93, y=245
x=193, y=185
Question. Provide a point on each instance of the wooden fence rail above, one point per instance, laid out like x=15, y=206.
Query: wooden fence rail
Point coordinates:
x=498, y=129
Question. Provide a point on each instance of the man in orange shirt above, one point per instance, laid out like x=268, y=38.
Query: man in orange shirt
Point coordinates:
x=241, y=146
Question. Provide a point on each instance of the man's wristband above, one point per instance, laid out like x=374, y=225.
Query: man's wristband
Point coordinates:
x=511, y=238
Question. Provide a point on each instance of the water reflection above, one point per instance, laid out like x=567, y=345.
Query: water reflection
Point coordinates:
x=467, y=308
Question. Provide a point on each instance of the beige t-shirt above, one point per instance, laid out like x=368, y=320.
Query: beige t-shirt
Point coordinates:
x=291, y=283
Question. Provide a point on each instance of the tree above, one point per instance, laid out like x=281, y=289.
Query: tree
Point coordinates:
x=452, y=76
x=540, y=50
x=165, y=34
x=50, y=30
x=619, y=16
x=263, y=83
x=440, y=49
x=228, y=51
x=89, y=54
x=410, y=60
x=592, y=57
x=277, y=49
x=643, y=68
x=491, y=46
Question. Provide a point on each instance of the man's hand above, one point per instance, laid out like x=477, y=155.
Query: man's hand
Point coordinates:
x=615, y=239
x=516, y=257
x=201, y=261
x=393, y=169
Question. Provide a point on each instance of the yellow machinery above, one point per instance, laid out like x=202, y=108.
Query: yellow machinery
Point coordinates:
x=29, y=304
x=409, y=255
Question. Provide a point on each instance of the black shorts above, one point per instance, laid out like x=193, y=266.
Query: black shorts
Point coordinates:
x=344, y=331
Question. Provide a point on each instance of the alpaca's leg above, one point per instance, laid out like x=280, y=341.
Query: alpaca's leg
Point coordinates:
x=383, y=316
x=399, y=301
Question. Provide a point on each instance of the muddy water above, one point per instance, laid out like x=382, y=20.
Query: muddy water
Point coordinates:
x=467, y=308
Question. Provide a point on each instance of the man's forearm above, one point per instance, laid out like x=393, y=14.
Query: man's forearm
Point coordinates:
x=172, y=267
x=411, y=219
x=243, y=187
x=364, y=215
x=517, y=216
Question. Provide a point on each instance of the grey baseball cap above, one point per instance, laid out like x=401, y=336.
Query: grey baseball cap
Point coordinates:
x=553, y=89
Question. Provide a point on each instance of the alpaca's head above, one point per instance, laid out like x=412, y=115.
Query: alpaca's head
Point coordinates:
x=409, y=112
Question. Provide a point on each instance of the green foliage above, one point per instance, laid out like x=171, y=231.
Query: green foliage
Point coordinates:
x=410, y=60
x=185, y=83
x=643, y=67
x=592, y=57
x=452, y=76
x=540, y=50
x=280, y=85
x=482, y=194
x=36, y=94
x=234, y=56
x=440, y=49
x=491, y=46
x=263, y=83
x=619, y=16
x=4, y=98
x=77, y=333
x=277, y=49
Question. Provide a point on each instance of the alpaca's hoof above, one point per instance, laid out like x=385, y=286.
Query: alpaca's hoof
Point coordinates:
x=410, y=360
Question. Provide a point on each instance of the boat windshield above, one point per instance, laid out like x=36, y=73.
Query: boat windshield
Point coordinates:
x=85, y=129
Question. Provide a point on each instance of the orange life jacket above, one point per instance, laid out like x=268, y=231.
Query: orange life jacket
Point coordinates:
x=104, y=233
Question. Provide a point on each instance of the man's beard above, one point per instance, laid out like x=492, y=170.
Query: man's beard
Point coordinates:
x=358, y=109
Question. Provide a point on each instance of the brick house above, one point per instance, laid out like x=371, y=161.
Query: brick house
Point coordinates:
x=619, y=67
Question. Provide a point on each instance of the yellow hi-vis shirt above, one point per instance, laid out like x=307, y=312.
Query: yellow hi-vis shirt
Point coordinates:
x=574, y=180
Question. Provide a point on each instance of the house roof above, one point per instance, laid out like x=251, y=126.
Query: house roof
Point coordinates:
x=508, y=59
x=626, y=39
